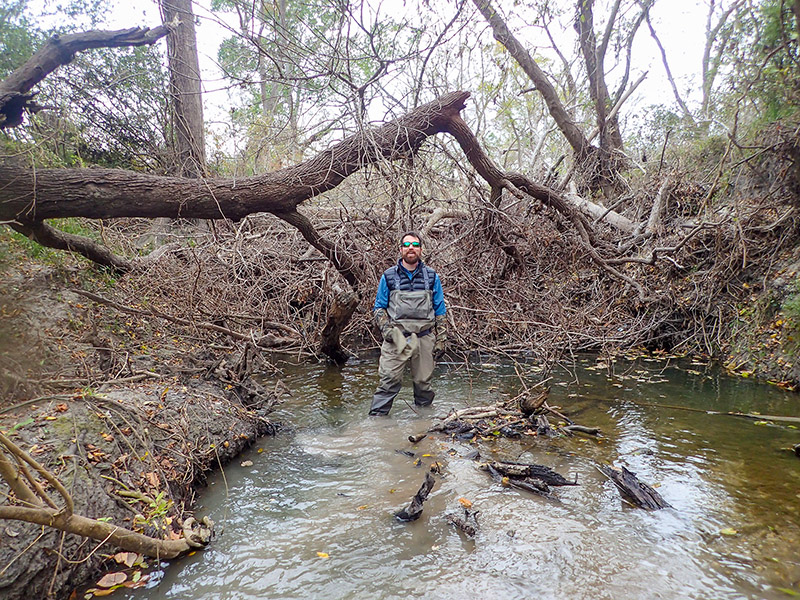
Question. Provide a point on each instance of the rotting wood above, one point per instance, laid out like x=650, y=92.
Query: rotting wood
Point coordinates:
x=632, y=490
x=468, y=523
x=538, y=488
x=509, y=419
x=413, y=511
x=529, y=471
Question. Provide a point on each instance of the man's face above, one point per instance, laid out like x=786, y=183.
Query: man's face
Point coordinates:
x=410, y=252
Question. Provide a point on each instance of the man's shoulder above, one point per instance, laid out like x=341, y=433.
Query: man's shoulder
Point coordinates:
x=390, y=272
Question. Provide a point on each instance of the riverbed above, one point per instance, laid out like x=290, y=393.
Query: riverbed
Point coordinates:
x=312, y=516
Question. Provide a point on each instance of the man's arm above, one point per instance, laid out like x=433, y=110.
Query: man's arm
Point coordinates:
x=440, y=310
x=382, y=297
x=379, y=312
x=438, y=297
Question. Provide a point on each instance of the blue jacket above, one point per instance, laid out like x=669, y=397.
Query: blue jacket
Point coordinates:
x=410, y=281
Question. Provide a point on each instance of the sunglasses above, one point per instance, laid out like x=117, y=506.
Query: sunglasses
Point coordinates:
x=407, y=244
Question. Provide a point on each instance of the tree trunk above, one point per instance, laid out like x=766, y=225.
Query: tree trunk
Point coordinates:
x=185, y=90
x=593, y=57
x=105, y=193
x=575, y=137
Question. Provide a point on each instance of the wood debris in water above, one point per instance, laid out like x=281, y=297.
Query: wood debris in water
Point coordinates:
x=632, y=490
x=532, y=478
x=467, y=522
x=413, y=511
x=525, y=414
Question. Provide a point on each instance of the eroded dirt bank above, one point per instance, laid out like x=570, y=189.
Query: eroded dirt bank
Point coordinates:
x=131, y=436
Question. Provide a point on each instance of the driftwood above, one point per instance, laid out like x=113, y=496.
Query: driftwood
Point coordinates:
x=532, y=478
x=529, y=485
x=467, y=523
x=413, y=511
x=530, y=471
x=523, y=414
x=632, y=490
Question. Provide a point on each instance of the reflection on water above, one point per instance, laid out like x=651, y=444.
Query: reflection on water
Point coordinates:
x=331, y=482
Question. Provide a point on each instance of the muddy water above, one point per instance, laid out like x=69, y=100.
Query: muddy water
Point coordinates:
x=312, y=517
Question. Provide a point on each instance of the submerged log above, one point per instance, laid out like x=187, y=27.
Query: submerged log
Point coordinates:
x=570, y=429
x=413, y=511
x=632, y=490
x=526, y=470
x=468, y=523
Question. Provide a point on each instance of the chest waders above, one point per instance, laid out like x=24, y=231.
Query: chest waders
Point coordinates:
x=412, y=313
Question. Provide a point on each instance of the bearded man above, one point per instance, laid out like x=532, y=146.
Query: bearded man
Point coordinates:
x=411, y=315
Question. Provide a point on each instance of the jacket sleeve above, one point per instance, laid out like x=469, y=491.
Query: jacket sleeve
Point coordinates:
x=439, y=307
x=382, y=297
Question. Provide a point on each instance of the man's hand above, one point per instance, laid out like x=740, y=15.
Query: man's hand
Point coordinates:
x=440, y=344
x=384, y=323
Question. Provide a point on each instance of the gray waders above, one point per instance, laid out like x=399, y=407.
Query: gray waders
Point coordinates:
x=411, y=339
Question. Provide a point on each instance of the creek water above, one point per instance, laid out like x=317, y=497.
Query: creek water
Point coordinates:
x=313, y=516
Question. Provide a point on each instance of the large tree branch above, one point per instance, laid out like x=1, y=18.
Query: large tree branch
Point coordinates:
x=571, y=131
x=104, y=193
x=57, y=51
x=50, y=237
x=33, y=497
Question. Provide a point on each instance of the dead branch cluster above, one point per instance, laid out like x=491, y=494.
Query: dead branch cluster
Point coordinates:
x=518, y=278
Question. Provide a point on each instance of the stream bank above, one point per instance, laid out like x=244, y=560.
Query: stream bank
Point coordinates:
x=132, y=436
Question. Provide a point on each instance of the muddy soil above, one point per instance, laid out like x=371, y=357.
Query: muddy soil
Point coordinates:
x=132, y=436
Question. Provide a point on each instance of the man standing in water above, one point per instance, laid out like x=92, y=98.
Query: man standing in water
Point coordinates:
x=410, y=312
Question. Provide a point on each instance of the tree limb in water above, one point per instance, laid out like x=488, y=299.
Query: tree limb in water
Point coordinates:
x=413, y=511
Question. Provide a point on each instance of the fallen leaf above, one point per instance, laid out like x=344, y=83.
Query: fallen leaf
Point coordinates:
x=728, y=531
x=126, y=558
x=111, y=579
x=465, y=503
x=61, y=407
x=363, y=506
x=322, y=554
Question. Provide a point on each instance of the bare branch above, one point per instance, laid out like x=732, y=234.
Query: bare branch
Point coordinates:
x=60, y=50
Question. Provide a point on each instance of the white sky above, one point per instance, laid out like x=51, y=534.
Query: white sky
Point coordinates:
x=679, y=23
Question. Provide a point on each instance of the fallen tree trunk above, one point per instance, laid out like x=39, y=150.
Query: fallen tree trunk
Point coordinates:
x=105, y=193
